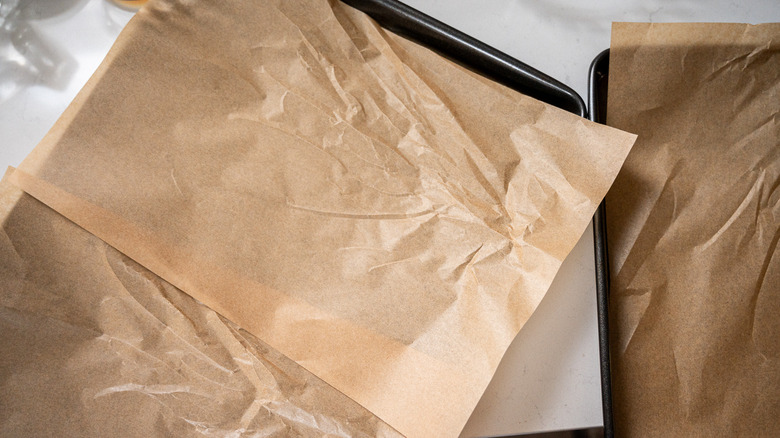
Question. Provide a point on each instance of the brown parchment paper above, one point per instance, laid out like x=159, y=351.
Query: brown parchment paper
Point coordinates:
x=376, y=213
x=693, y=225
x=93, y=344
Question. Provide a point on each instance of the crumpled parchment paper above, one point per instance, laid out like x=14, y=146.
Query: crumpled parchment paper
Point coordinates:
x=93, y=344
x=693, y=225
x=379, y=215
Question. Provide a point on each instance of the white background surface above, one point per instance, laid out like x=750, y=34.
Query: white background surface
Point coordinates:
x=549, y=378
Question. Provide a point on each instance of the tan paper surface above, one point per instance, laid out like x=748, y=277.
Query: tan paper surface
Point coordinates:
x=693, y=225
x=376, y=213
x=95, y=345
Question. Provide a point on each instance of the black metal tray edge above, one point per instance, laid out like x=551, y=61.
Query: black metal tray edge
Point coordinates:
x=597, y=103
x=470, y=53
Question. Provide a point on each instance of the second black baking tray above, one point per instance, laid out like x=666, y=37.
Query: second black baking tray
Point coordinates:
x=495, y=65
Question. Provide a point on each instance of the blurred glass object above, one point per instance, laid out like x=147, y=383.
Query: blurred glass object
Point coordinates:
x=6, y=8
x=25, y=58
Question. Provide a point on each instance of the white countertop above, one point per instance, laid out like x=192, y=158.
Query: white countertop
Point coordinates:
x=549, y=379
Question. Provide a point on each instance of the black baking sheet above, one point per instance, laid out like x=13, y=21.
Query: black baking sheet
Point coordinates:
x=495, y=65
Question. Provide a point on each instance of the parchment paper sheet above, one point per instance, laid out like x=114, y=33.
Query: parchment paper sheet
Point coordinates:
x=693, y=226
x=95, y=345
x=376, y=213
